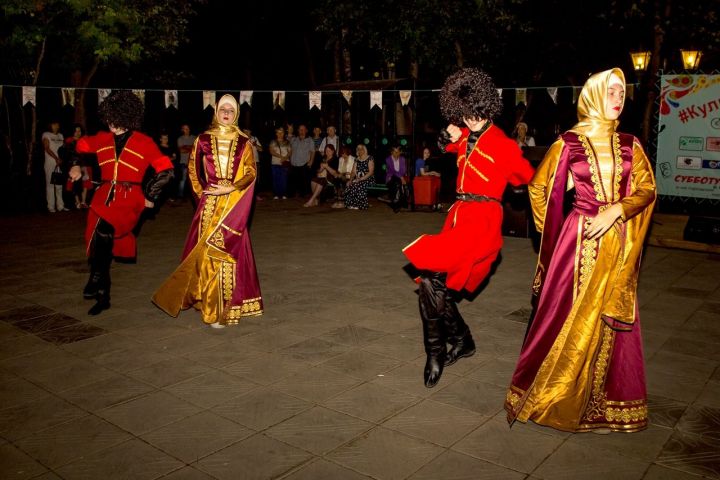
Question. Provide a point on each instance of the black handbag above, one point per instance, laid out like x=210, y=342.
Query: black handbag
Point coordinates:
x=58, y=176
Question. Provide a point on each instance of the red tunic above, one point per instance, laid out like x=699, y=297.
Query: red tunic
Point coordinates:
x=471, y=239
x=122, y=205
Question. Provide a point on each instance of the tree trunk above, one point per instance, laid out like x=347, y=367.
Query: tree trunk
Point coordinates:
x=33, y=127
x=662, y=14
x=347, y=64
x=414, y=69
x=459, y=54
x=309, y=60
x=80, y=114
x=337, y=50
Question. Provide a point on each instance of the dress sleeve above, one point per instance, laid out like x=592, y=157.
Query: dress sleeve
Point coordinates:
x=194, y=159
x=642, y=184
x=542, y=181
x=246, y=174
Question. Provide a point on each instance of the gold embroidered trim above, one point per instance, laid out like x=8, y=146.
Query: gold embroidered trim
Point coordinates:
x=106, y=161
x=133, y=152
x=248, y=308
x=210, y=201
x=230, y=159
x=617, y=153
x=587, y=260
x=217, y=239
x=103, y=149
x=592, y=163
x=597, y=407
x=485, y=155
x=230, y=229
x=227, y=278
x=627, y=415
x=537, y=281
x=128, y=165
x=512, y=399
x=225, y=183
x=474, y=169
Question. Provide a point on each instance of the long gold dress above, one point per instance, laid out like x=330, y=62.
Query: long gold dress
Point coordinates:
x=217, y=275
x=581, y=366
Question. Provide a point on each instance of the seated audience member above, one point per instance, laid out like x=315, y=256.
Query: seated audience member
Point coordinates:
x=345, y=167
x=327, y=166
x=396, y=179
x=361, y=177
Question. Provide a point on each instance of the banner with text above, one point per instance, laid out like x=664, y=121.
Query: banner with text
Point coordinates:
x=688, y=148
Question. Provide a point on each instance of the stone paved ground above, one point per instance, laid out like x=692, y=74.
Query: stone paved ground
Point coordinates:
x=328, y=383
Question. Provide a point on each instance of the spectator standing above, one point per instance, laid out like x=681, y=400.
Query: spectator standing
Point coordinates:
x=317, y=138
x=280, y=151
x=256, y=149
x=330, y=139
x=301, y=159
x=184, y=143
x=521, y=137
x=52, y=141
x=82, y=186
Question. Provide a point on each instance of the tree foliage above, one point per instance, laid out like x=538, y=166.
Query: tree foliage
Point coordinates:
x=85, y=34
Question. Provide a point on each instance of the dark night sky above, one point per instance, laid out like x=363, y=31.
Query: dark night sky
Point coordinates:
x=253, y=45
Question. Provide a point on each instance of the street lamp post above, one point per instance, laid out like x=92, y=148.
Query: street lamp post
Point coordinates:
x=641, y=61
x=691, y=59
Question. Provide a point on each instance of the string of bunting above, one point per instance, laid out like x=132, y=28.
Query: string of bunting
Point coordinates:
x=29, y=95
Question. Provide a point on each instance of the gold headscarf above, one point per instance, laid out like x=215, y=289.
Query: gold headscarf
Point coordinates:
x=591, y=105
x=225, y=131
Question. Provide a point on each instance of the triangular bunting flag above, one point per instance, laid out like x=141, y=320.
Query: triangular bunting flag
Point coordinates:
x=315, y=98
x=520, y=96
x=140, y=94
x=405, y=97
x=171, y=98
x=347, y=95
x=576, y=93
x=28, y=95
x=68, y=96
x=552, y=91
x=246, y=97
x=499, y=92
x=208, y=99
x=376, y=99
x=279, y=99
x=102, y=94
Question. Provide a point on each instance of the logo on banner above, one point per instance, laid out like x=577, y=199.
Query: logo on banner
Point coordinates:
x=712, y=144
x=711, y=164
x=691, y=143
x=689, y=163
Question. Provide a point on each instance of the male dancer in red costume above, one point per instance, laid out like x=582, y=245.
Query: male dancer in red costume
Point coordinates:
x=460, y=256
x=124, y=154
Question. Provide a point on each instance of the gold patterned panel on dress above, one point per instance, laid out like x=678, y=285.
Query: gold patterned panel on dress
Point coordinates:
x=592, y=164
x=617, y=154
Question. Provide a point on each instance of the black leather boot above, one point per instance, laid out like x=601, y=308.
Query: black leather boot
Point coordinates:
x=103, y=300
x=458, y=333
x=93, y=284
x=100, y=261
x=431, y=306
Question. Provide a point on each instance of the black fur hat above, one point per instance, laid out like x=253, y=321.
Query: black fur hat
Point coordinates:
x=469, y=93
x=123, y=109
